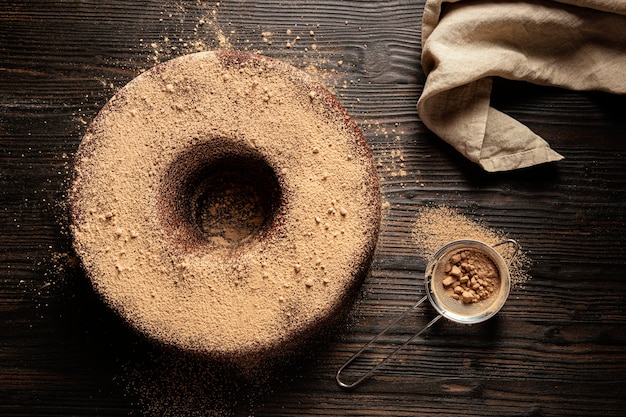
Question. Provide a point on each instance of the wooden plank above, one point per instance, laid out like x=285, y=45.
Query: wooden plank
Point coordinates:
x=557, y=347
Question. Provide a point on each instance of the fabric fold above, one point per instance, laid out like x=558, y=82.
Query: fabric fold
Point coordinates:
x=575, y=44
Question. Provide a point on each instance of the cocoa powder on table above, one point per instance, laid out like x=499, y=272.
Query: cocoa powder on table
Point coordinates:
x=435, y=226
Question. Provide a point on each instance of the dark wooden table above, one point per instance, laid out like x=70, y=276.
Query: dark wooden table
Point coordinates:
x=557, y=348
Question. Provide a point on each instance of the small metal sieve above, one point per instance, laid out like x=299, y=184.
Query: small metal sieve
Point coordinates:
x=444, y=303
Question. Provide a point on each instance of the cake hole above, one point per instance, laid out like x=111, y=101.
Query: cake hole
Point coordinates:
x=235, y=202
x=217, y=195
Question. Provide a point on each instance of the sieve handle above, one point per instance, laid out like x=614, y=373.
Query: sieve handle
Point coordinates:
x=362, y=378
x=515, y=248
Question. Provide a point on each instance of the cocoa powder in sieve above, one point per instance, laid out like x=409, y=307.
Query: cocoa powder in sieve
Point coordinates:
x=470, y=276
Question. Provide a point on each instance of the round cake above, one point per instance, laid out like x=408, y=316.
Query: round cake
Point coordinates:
x=226, y=204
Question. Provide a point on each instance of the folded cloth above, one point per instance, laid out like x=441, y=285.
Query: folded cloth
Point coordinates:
x=575, y=44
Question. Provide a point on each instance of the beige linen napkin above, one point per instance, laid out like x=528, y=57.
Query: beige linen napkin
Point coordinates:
x=575, y=44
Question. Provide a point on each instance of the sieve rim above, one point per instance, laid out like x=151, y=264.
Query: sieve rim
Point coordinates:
x=504, y=275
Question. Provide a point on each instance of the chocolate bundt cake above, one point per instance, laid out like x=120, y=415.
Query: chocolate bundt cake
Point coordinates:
x=226, y=204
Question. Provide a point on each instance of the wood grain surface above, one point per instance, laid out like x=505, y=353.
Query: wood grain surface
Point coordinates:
x=558, y=347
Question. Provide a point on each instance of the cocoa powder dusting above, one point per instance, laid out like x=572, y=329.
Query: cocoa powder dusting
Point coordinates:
x=257, y=294
x=281, y=266
x=163, y=384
